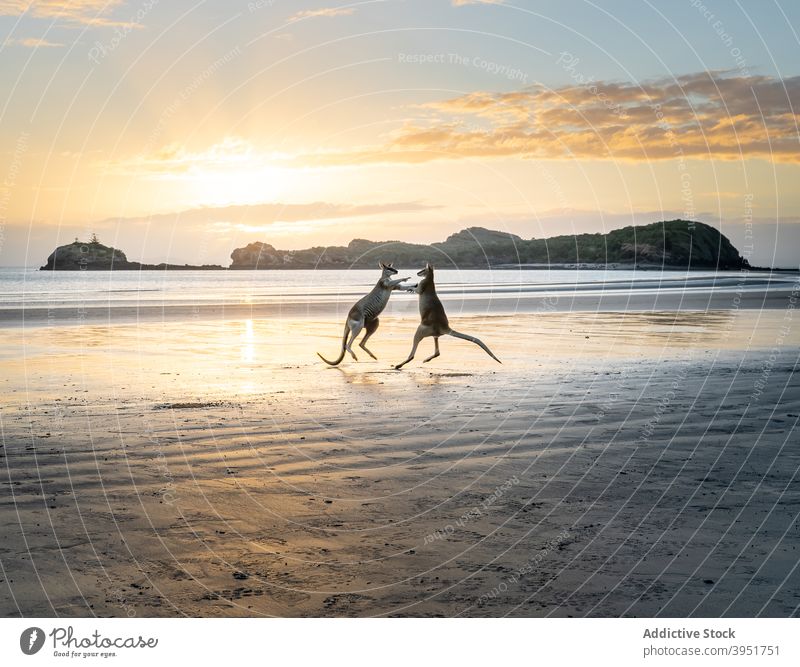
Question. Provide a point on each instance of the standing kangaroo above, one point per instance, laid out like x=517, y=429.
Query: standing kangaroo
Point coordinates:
x=364, y=314
x=434, y=319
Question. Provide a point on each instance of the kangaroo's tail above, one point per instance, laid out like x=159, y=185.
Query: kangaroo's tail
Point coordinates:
x=341, y=354
x=477, y=341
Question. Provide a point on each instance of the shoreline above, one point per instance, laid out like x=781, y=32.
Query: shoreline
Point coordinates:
x=640, y=300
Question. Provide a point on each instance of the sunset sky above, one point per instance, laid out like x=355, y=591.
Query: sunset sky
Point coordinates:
x=179, y=131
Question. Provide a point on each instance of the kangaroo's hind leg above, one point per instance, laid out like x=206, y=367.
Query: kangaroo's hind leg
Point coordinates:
x=422, y=332
x=370, y=327
x=355, y=329
x=435, y=350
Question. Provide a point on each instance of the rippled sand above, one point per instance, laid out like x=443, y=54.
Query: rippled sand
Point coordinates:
x=636, y=463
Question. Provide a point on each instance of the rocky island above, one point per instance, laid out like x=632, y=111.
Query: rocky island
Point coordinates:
x=669, y=244
x=94, y=256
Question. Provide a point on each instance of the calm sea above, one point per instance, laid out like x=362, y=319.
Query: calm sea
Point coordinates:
x=21, y=288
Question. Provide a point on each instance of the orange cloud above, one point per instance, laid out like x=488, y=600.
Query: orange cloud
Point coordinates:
x=327, y=12
x=249, y=217
x=86, y=12
x=711, y=115
x=35, y=43
x=174, y=159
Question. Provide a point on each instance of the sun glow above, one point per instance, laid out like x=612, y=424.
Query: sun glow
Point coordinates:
x=232, y=171
x=225, y=187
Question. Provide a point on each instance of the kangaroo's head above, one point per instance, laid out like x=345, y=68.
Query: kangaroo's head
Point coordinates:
x=388, y=270
x=427, y=272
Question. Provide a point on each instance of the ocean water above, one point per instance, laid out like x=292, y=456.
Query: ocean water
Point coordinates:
x=29, y=288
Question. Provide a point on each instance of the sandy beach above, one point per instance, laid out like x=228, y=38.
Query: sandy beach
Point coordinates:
x=637, y=463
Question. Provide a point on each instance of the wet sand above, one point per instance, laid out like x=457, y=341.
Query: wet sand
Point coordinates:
x=636, y=463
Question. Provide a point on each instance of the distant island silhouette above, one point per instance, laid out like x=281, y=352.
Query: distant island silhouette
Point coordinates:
x=669, y=244
x=94, y=256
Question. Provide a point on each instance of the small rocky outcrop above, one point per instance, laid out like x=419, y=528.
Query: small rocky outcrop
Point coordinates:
x=94, y=256
x=79, y=256
x=256, y=255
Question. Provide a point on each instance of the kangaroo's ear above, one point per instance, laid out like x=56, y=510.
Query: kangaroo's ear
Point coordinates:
x=428, y=266
x=390, y=265
x=381, y=265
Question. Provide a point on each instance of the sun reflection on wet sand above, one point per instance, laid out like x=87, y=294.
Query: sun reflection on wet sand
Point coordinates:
x=248, y=344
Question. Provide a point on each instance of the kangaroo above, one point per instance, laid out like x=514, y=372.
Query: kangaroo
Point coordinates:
x=364, y=314
x=434, y=319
